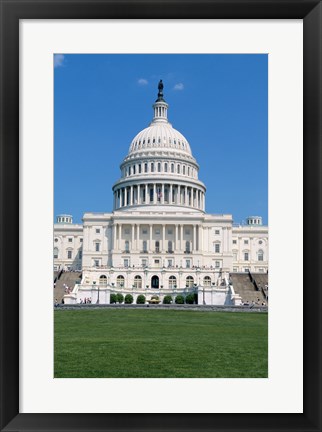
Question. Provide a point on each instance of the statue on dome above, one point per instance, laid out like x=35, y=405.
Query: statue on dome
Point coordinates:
x=160, y=88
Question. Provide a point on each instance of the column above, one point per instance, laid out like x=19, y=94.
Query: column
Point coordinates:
x=181, y=237
x=178, y=195
x=131, y=195
x=200, y=231
x=146, y=194
x=139, y=194
x=137, y=237
x=194, y=246
x=132, y=232
x=114, y=236
x=154, y=194
x=176, y=239
x=125, y=196
x=162, y=197
x=185, y=201
x=163, y=239
x=150, y=240
x=170, y=194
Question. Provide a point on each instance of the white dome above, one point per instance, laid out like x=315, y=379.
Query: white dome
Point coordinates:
x=159, y=136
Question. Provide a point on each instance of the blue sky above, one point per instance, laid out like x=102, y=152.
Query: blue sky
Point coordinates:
x=218, y=102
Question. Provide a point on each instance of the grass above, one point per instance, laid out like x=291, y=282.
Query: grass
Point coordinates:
x=105, y=343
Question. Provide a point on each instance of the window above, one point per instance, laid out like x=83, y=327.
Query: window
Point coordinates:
x=187, y=231
x=97, y=230
x=120, y=281
x=217, y=232
x=127, y=231
x=81, y=240
x=137, y=282
x=97, y=247
x=69, y=254
x=183, y=170
x=151, y=195
x=170, y=231
x=217, y=247
x=165, y=167
x=144, y=262
x=146, y=167
x=127, y=246
x=189, y=282
x=246, y=256
x=217, y=264
x=103, y=280
x=172, y=168
x=206, y=281
x=96, y=263
x=55, y=252
x=157, y=262
x=152, y=167
x=172, y=282
x=246, y=270
x=144, y=231
x=133, y=169
x=159, y=167
x=170, y=263
x=178, y=169
x=235, y=269
x=140, y=169
x=235, y=256
x=126, y=262
x=260, y=242
x=188, y=264
x=234, y=241
x=260, y=255
x=170, y=246
x=245, y=241
x=129, y=170
x=157, y=246
x=157, y=231
x=56, y=240
x=187, y=246
x=145, y=247
x=70, y=240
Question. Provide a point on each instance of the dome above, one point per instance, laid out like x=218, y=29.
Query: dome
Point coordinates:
x=159, y=136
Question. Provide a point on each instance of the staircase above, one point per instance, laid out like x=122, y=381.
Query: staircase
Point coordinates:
x=245, y=288
x=67, y=278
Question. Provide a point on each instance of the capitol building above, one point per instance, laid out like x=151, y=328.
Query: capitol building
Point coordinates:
x=158, y=240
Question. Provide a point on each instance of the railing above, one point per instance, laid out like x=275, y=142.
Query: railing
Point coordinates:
x=187, y=252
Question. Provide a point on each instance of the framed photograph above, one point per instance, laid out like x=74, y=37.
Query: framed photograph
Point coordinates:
x=47, y=48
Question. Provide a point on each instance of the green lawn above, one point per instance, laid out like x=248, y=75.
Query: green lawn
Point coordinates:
x=106, y=343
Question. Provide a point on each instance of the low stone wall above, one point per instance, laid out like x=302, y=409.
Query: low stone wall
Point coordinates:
x=199, y=308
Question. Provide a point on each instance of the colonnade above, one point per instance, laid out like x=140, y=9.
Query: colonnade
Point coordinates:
x=160, y=194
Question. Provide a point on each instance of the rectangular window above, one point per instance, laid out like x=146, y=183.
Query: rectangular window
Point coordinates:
x=235, y=269
x=245, y=241
x=170, y=231
x=70, y=240
x=217, y=232
x=127, y=231
x=246, y=256
x=144, y=231
x=144, y=262
x=96, y=263
x=187, y=231
x=97, y=230
x=235, y=256
x=97, y=247
x=126, y=262
x=55, y=254
x=69, y=254
x=81, y=240
x=217, y=264
x=217, y=248
x=187, y=263
x=157, y=231
x=157, y=262
x=170, y=263
x=234, y=241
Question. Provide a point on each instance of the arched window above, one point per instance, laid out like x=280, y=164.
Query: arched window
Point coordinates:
x=172, y=282
x=159, y=167
x=170, y=246
x=165, y=167
x=188, y=171
x=157, y=246
x=152, y=167
x=183, y=170
x=172, y=168
x=187, y=246
x=138, y=282
x=145, y=247
x=133, y=169
x=55, y=252
x=189, y=282
x=146, y=167
x=120, y=281
x=260, y=255
x=103, y=280
x=178, y=169
x=127, y=246
x=207, y=281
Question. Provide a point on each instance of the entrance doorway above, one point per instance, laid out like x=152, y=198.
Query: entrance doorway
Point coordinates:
x=155, y=282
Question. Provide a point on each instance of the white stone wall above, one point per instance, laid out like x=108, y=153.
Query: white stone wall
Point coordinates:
x=68, y=242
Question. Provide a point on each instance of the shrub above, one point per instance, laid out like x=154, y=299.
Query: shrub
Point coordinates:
x=196, y=298
x=190, y=298
x=120, y=297
x=179, y=299
x=113, y=298
x=167, y=299
x=128, y=299
x=140, y=299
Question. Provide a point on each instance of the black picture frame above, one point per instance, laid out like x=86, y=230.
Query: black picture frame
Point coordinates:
x=11, y=12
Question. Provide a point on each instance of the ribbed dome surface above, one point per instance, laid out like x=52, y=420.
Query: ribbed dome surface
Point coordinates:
x=159, y=136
